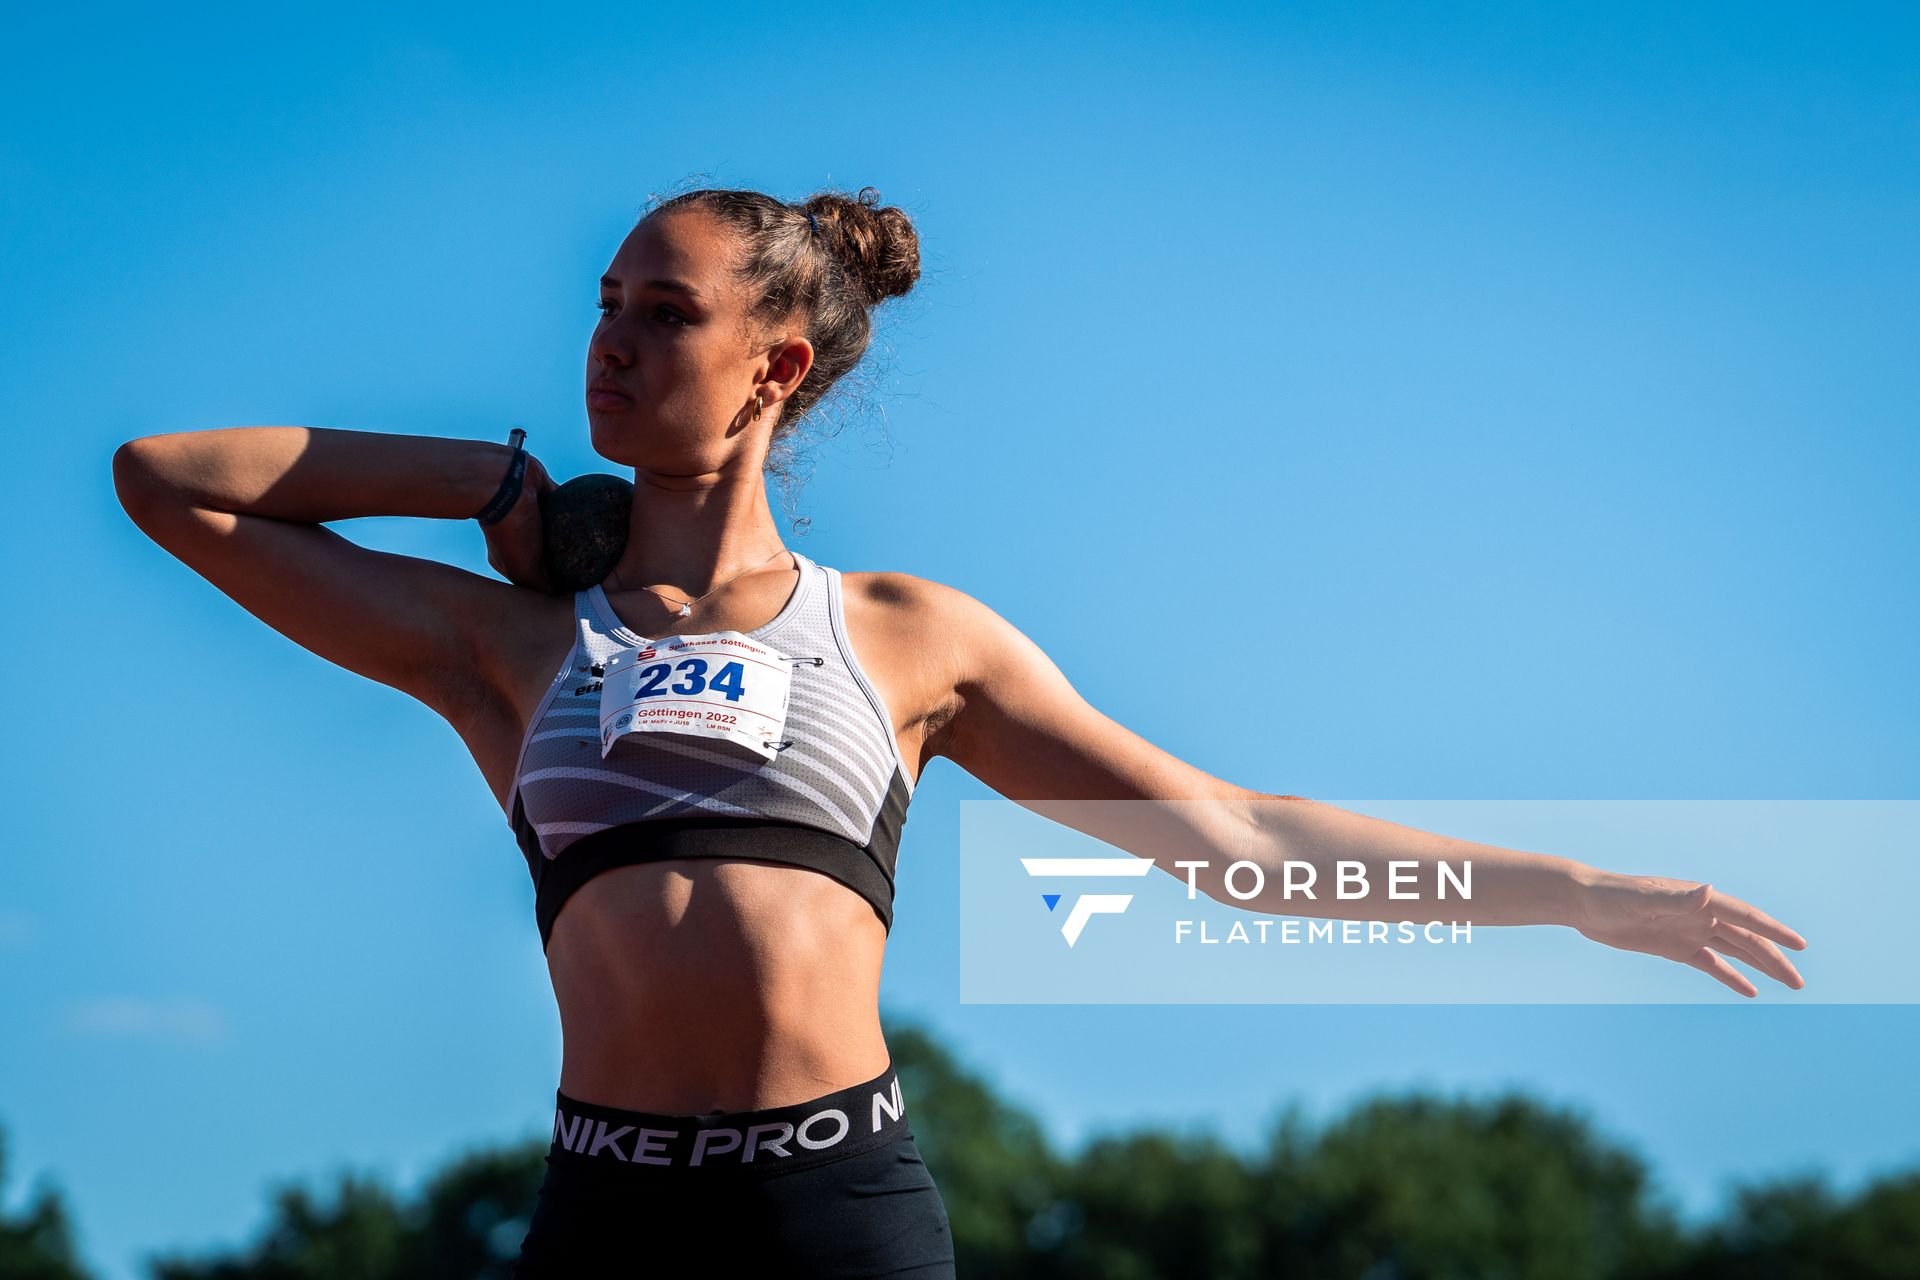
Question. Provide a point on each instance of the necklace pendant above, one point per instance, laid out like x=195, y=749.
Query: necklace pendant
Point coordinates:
x=686, y=610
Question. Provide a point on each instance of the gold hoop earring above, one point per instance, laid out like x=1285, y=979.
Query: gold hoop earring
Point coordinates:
x=756, y=406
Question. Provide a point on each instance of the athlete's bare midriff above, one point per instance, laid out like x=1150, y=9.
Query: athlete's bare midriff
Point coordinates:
x=697, y=984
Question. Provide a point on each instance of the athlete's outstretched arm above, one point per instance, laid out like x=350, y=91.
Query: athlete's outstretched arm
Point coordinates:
x=1021, y=728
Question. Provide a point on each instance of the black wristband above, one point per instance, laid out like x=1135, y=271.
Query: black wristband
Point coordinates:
x=510, y=486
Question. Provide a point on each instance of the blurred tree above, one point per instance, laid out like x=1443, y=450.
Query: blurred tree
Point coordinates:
x=467, y=1224
x=1397, y=1188
x=37, y=1245
x=1796, y=1229
x=1408, y=1189
x=473, y=1215
x=1148, y=1205
x=1427, y=1188
x=356, y=1232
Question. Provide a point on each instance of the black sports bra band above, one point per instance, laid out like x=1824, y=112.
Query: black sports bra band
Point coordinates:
x=709, y=836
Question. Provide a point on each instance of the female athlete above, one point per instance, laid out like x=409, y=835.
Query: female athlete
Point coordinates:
x=707, y=758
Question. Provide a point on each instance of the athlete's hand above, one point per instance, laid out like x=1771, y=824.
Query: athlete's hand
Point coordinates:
x=1686, y=921
x=514, y=545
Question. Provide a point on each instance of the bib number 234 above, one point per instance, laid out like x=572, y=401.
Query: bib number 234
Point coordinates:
x=723, y=688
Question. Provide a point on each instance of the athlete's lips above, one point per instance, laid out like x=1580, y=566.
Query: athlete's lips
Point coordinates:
x=605, y=393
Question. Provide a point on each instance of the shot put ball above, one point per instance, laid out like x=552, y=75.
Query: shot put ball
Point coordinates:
x=584, y=529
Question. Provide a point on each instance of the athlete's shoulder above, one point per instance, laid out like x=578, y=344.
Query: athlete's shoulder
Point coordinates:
x=947, y=631
x=910, y=600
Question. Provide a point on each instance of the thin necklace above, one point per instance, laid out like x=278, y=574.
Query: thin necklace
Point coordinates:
x=686, y=606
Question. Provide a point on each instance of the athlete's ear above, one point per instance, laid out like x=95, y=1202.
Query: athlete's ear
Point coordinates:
x=788, y=364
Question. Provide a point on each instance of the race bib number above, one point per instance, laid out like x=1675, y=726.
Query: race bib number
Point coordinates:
x=720, y=687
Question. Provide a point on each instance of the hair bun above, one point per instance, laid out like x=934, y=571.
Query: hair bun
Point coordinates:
x=876, y=243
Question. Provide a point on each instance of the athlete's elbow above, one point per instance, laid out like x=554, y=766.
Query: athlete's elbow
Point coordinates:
x=136, y=479
x=146, y=480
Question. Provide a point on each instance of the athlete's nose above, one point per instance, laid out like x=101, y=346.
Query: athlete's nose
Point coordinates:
x=607, y=350
x=607, y=359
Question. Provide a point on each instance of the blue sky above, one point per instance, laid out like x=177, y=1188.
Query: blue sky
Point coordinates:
x=1533, y=390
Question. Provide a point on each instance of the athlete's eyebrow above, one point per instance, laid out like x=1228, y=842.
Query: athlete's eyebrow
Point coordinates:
x=665, y=286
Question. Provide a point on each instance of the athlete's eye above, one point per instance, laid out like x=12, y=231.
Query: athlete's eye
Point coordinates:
x=605, y=305
x=669, y=311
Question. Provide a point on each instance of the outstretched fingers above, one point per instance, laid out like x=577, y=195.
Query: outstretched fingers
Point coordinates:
x=1756, y=951
x=1712, y=965
x=1752, y=917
